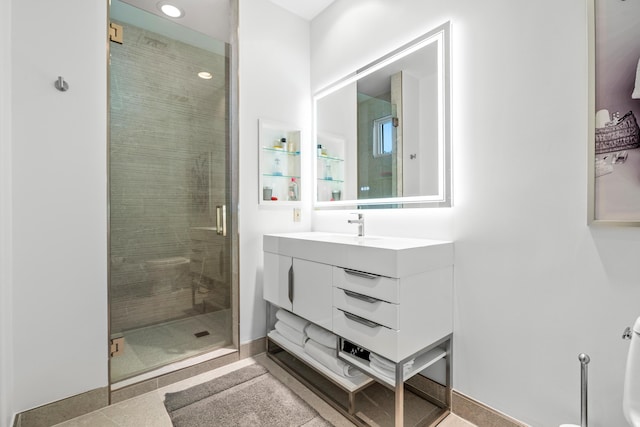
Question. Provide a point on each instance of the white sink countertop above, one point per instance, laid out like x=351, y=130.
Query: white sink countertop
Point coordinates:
x=386, y=256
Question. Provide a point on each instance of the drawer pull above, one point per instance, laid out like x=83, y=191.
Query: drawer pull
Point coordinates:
x=358, y=319
x=361, y=274
x=291, y=284
x=361, y=297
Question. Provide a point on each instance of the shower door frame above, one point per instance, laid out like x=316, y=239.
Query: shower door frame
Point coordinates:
x=232, y=193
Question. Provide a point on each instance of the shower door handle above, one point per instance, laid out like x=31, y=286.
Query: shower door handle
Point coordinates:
x=221, y=220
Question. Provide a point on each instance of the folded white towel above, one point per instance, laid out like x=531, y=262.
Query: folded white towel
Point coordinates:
x=322, y=336
x=279, y=338
x=384, y=370
x=328, y=357
x=386, y=363
x=291, y=334
x=297, y=323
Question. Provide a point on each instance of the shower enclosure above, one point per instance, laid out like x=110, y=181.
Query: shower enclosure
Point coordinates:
x=171, y=288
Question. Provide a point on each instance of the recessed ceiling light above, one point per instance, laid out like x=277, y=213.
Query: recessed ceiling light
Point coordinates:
x=171, y=10
x=205, y=75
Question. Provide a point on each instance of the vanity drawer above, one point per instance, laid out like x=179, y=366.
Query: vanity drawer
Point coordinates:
x=372, y=336
x=367, y=307
x=380, y=287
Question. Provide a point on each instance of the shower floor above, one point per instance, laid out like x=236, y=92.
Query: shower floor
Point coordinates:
x=154, y=346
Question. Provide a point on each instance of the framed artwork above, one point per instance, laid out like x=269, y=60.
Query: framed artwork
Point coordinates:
x=614, y=110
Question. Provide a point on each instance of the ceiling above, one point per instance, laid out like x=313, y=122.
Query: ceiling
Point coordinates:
x=307, y=9
x=211, y=16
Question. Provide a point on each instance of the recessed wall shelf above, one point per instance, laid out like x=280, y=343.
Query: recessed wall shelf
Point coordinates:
x=279, y=164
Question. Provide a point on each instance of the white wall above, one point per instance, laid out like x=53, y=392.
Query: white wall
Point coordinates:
x=59, y=292
x=58, y=147
x=6, y=355
x=534, y=285
x=274, y=84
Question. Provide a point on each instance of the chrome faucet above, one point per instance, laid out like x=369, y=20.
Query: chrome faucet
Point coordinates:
x=360, y=222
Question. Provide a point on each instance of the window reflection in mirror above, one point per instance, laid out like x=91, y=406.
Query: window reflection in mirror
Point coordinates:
x=383, y=136
x=384, y=131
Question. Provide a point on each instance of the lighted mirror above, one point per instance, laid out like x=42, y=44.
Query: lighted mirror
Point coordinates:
x=382, y=134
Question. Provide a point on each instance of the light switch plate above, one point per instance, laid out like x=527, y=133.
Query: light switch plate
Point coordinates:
x=296, y=214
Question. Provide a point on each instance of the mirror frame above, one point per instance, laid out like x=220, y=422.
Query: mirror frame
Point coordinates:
x=440, y=35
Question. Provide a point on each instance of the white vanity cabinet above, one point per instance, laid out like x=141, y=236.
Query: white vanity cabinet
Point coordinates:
x=276, y=288
x=300, y=286
x=389, y=296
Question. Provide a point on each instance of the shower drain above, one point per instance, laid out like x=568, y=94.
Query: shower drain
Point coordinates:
x=201, y=334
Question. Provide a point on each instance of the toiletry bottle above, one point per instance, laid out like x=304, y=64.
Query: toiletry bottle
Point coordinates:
x=277, y=170
x=319, y=149
x=327, y=172
x=293, y=190
x=283, y=143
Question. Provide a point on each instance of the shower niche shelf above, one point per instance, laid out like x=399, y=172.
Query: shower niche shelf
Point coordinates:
x=279, y=164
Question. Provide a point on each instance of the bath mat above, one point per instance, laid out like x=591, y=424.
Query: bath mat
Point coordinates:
x=250, y=396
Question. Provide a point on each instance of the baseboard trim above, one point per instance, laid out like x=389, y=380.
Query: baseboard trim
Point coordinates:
x=480, y=414
x=252, y=348
x=463, y=406
x=63, y=410
x=434, y=391
x=75, y=406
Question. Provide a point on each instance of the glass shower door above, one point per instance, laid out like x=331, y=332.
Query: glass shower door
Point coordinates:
x=170, y=254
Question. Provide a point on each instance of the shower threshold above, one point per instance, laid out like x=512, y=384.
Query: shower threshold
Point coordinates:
x=167, y=369
x=160, y=349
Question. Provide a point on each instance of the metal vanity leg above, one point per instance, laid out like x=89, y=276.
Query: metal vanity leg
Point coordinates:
x=449, y=371
x=399, y=395
x=352, y=403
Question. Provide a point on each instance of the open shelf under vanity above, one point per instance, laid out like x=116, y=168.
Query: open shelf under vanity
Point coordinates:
x=366, y=400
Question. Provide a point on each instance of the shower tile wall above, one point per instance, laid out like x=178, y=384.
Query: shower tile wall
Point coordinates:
x=376, y=173
x=167, y=166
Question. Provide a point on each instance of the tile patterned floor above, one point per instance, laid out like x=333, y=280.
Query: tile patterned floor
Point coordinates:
x=148, y=410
